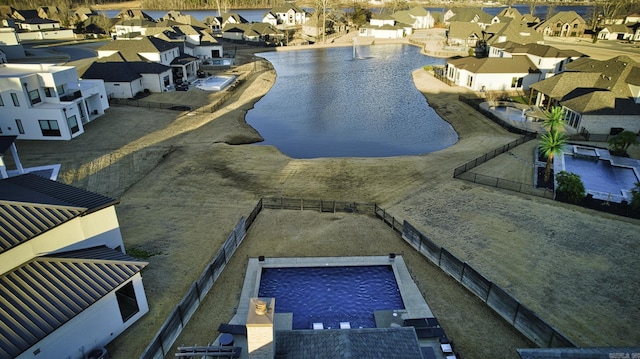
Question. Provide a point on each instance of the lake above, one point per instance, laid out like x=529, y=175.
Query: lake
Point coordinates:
x=326, y=104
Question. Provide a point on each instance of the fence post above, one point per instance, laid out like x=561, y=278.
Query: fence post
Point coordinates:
x=301, y=204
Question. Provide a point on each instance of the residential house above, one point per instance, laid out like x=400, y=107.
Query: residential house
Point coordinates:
x=465, y=34
x=184, y=19
x=68, y=286
x=48, y=102
x=563, y=24
x=616, y=32
x=381, y=20
x=37, y=24
x=214, y=23
x=134, y=14
x=24, y=14
x=510, y=66
x=492, y=74
x=10, y=45
x=597, y=96
x=232, y=19
x=125, y=27
x=511, y=12
x=259, y=32
x=129, y=67
x=547, y=59
x=383, y=32
x=287, y=15
x=82, y=13
x=511, y=30
x=192, y=41
x=470, y=14
x=417, y=17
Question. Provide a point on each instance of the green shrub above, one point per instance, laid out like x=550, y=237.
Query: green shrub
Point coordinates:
x=570, y=186
x=635, y=197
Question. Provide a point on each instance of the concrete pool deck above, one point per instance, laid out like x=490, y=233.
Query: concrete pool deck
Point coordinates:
x=414, y=304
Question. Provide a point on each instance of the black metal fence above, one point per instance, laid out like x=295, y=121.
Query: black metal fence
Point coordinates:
x=163, y=341
x=509, y=308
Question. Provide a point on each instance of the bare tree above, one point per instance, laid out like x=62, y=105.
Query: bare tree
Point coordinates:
x=322, y=5
x=532, y=6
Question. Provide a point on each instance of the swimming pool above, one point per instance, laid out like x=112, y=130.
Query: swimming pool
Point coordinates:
x=331, y=295
x=215, y=83
x=600, y=178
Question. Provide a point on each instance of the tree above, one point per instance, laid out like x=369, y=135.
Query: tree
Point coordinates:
x=360, y=15
x=570, y=186
x=551, y=145
x=532, y=7
x=619, y=144
x=554, y=120
x=635, y=197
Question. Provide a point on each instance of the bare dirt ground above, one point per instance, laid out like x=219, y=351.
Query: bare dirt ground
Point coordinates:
x=184, y=180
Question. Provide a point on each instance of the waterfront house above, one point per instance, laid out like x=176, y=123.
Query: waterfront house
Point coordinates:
x=598, y=97
x=471, y=15
x=417, y=17
x=67, y=284
x=511, y=30
x=547, y=59
x=563, y=24
x=48, y=102
x=465, y=34
x=134, y=14
x=287, y=15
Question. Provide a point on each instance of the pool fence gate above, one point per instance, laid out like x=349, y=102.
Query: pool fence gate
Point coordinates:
x=509, y=308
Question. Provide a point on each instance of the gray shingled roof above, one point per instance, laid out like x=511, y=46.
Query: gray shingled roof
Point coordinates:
x=495, y=65
x=370, y=343
x=47, y=292
x=111, y=72
x=131, y=48
x=536, y=49
x=463, y=30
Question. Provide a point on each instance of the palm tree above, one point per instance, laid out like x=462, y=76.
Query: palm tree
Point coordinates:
x=554, y=120
x=619, y=144
x=551, y=145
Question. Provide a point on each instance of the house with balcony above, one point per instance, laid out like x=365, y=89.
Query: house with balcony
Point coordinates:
x=67, y=284
x=48, y=102
x=287, y=15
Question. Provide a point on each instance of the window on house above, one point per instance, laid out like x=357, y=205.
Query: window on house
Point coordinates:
x=469, y=81
x=49, y=127
x=60, y=90
x=34, y=96
x=127, y=301
x=575, y=26
x=14, y=97
x=48, y=91
x=19, y=126
x=72, y=122
x=559, y=24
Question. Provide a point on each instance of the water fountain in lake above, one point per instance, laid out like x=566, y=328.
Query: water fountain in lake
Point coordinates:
x=356, y=54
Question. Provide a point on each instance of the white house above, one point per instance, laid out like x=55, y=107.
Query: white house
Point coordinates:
x=37, y=24
x=67, y=285
x=417, y=18
x=48, y=102
x=383, y=32
x=7, y=144
x=492, y=74
x=287, y=15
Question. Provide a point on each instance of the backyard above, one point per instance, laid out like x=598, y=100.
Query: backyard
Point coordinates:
x=184, y=180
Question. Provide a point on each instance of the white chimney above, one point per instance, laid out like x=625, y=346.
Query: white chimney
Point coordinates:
x=260, y=330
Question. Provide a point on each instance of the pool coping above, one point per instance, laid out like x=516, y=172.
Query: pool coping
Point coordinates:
x=414, y=303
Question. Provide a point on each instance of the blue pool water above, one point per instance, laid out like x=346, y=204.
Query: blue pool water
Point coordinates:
x=601, y=176
x=331, y=295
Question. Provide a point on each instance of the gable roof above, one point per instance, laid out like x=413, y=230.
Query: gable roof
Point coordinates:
x=513, y=30
x=536, y=50
x=471, y=14
x=286, y=7
x=463, y=30
x=511, y=12
x=495, y=65
x=591, y=86
x=130, y=49
x=48, y=291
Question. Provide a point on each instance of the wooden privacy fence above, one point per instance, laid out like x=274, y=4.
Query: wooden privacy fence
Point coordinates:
x=519, y=316
x=163, y=341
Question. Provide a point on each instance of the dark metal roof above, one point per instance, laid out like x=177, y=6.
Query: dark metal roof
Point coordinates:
x=111, y=72
x=20, y=222
x=371, y=343
x=46, y=292
x=38, y=190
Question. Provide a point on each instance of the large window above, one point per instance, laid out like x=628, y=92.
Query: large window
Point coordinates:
x=48, y=91
x=49, y=127
x=20, y=127
x=14, y=97
x=60, y=90
x=73, y=124
x=34, y=96
x=127, y=301
x=1, y=101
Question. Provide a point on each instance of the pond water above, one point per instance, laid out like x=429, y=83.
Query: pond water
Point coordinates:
x=327, y=104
